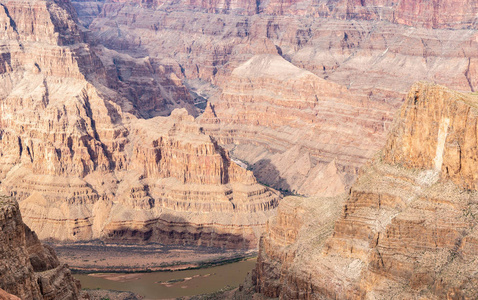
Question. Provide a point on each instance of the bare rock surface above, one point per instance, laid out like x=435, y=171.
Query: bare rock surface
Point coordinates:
x=87, y=158
x=407, y=227
x=374, y=49
x=6, y=296
x=30, y=270
x=299, y=132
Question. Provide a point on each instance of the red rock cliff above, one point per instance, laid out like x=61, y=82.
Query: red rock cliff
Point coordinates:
x=376, y=49
x=408, y=226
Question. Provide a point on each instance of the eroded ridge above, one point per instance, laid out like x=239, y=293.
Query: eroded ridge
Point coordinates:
x=87, y=159
x=407, y=227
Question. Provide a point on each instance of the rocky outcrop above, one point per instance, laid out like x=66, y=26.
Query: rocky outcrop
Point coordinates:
x=88, y=161
x=30, y=270
x=282, y=120
x=376, y=49
x=299, y=226
x=446, y=141
x=7, y=296
x=154, y=87
x=407, y=226
x=175, y=175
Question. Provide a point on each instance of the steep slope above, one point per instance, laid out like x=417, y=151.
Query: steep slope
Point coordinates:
x=30, y=270
x=336, y=43
x=408, y=226
x=83, y=163
x=300, y=133
x=367, y=46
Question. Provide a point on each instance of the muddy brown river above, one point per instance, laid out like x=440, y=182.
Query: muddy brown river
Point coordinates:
x=163, y=285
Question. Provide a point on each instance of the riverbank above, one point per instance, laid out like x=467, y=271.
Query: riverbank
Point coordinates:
x=169, y=285
x=97, y=257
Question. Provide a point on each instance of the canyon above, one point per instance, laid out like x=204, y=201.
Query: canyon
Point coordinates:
x=406, y=229
x=88, y=158
x=187, y=122
x=374, y=49
x=137, y=62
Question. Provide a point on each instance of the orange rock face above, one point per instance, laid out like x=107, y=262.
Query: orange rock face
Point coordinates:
x=374, y=49
x=407, y=228
x=30, y=269
x=82, y=161
x=431, y=137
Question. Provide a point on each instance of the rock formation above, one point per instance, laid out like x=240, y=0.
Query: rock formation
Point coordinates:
x=338, y=40
x=7, y=296
x=433, y=14
x=376, y=49
x=30, y=270
x=82, y=160
x=408, y=225
x=282, y=120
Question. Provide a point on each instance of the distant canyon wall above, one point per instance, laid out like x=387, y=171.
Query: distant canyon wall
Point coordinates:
x=374, y=49
x=456, y=14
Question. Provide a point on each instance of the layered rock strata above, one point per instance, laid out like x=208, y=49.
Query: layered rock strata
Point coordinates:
x=30, y=270
x=82, y=161
x=408, y=226
x=377, y=49
x=301, y=224
x=431, y=14
x=339, y=44
x=299, y=132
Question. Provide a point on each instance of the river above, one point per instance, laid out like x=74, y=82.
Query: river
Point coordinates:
x=163, y=285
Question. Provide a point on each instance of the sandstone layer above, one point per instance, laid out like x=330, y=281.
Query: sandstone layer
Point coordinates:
x=299, y=132
x=376, y=49
x=408, y=225
x=30, y=270
x=338, y=44
x=87, y=158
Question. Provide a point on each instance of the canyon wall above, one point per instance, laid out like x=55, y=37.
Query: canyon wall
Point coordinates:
x=407, y=227
x=438, y=134
x=282, y=120
x=374, y=49
x=30, y=270
x=455, y=14
x=88, y=155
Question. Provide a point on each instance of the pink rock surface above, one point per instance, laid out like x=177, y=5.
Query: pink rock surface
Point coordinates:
x=87, y=152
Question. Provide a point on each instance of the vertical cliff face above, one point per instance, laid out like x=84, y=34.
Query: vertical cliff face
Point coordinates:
x=438, y=131
x=407, y=226
x=290, y=243
x=85, y=154
x=30, y=270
